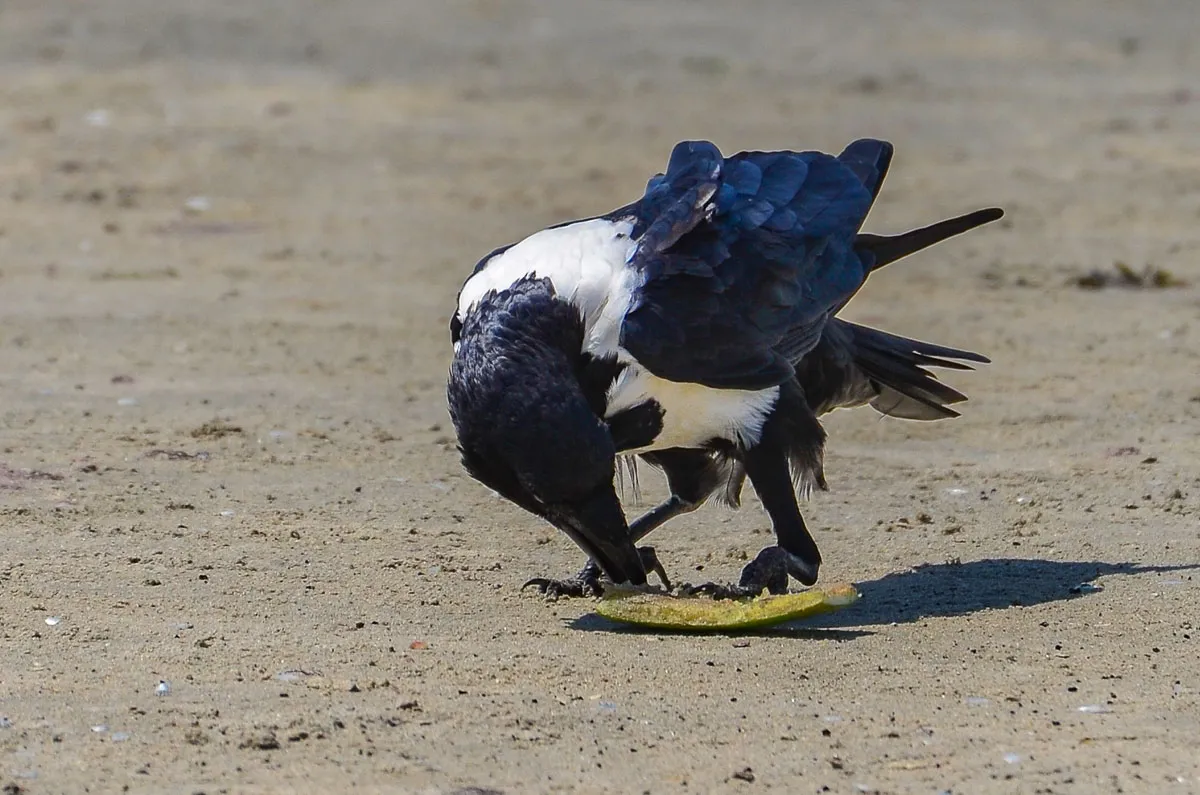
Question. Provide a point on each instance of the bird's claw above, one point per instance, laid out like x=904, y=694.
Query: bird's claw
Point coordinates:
x=570, y=587
x=585, y=583
x=588, y=581
x=767, y=572
x=718, y=590
x=651, y=564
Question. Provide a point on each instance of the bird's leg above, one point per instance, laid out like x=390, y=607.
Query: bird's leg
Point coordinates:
x=659, y=515
x=588, y=581
x=796, y=553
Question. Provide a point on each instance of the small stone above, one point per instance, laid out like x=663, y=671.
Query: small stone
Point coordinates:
x=267, y=741
x=293, y=675
x=100, y=117
x=197, y=205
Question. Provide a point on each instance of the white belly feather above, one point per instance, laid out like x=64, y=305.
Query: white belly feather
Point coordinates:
x=693, y=414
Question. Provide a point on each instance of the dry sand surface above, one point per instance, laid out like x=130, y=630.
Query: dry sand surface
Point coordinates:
x=231, y=234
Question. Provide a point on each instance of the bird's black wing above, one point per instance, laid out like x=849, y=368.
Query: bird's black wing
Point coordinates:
x=742, y=260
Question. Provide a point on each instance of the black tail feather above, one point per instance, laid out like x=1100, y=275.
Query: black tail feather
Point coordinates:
x=896, y=366
x=886, y=249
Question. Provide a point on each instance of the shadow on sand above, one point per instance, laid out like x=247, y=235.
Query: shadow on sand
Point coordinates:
x=940, y=590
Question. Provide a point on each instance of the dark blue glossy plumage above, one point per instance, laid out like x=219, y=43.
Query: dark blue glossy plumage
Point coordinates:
x=745, y=259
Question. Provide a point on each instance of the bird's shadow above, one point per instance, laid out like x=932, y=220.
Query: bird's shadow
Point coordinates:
x=939, y=590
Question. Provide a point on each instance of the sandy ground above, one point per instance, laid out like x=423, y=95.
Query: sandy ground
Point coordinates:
x=230, y=238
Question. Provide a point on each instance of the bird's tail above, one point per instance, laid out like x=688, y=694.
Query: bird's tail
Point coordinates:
x=896, y=367
x=884, y=249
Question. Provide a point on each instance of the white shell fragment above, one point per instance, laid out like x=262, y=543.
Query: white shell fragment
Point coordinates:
x=1095, y=709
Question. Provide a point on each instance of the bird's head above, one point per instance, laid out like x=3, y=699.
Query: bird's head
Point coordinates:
x=526, y=426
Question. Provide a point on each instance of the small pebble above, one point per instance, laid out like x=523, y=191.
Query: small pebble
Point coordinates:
x=197, y=204
x=98, y=118
x=745, y=774
x=292, y=675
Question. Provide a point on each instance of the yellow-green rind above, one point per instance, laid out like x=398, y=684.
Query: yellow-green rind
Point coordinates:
x=701, y=614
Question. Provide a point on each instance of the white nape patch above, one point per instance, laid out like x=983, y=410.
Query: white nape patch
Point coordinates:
x=586, y=263
x=693, y=414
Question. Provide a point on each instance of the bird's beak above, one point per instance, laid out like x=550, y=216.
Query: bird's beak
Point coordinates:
x=597, y=525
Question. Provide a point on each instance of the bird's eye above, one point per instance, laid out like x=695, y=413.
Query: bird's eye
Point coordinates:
x=455, y=328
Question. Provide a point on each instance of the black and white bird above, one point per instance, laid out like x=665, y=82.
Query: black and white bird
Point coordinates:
x=696, y=329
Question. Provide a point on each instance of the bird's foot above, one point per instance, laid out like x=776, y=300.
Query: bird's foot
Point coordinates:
x=722, y=590
x=589, y=582
x=585, y=583
x=769, y=571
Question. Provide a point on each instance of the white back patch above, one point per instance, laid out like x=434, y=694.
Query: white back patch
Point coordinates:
x=586, y=263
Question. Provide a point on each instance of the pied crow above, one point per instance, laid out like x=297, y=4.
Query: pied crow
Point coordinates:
x=697, y=329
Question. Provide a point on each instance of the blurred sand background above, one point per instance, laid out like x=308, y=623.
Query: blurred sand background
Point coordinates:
x=231, y=234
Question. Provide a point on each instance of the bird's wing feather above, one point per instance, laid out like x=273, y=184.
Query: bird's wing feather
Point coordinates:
x=743, y=259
